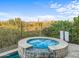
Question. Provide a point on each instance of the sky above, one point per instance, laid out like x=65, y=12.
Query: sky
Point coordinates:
x=32, y=10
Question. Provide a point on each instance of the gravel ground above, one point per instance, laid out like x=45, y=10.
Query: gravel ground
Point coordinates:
x=73, y=51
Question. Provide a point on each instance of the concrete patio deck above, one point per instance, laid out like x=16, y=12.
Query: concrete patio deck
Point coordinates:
x=73, y=51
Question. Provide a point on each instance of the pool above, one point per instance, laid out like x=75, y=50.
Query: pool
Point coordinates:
x=42, y=43
x=12, y=55
x=38, y=47
x=42, y=47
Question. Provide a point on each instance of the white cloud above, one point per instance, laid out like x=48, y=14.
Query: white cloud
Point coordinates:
x=41, y=18
x=61, y=10
x=45, y=17
x=69, y=10
x=2, y=13
x=5, y=16
x=55, y=5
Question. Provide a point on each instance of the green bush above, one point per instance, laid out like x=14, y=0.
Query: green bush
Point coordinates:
x=71, y=27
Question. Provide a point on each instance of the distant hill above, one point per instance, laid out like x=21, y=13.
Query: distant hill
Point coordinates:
x=27, y=26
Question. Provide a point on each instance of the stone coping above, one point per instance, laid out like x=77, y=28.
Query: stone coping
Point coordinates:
x=62, y=44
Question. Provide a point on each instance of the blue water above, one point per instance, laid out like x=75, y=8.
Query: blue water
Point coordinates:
x=42, y=43
x=12, y=55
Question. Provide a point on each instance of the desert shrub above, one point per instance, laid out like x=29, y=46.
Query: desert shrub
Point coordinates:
x=8, y=37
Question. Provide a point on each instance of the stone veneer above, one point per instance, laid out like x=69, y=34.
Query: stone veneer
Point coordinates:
x=25, y=50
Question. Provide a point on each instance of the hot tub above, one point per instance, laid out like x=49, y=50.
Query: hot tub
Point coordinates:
x=42, y=47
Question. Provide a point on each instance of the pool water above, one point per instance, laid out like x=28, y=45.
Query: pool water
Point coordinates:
x=42, y=43
x=12, y=55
